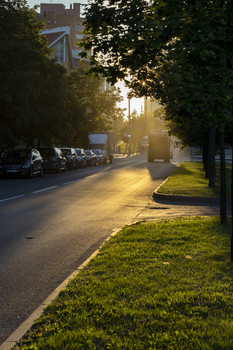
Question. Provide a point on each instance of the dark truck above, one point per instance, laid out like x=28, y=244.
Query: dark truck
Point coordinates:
x=158, y=145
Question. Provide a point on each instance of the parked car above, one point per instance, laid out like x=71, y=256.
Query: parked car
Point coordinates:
x=99, y=156
x=23, y=162
x=53, y=159
x=91, y=157
x=71, y=158
x=82, y=158
x=105, y=156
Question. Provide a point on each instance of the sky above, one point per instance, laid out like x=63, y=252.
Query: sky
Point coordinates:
x=135, y=104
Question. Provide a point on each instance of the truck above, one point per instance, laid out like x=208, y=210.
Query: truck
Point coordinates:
x=158, y=145
x=103, y=140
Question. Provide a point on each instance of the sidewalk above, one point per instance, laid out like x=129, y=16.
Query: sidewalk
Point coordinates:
x=162, y=207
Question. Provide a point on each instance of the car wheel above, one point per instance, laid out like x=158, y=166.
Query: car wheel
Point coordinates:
x=59, y=168
x=41, y=173
x=31, y=173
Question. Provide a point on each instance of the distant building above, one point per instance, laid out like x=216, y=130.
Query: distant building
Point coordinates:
x=56, y=15
x=59, y=40
x=56, y=18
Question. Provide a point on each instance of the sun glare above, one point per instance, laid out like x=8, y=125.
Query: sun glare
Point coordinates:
x=135, y=103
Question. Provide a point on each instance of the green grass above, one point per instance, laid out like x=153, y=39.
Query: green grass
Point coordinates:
x=189, y=180
x=155, y=285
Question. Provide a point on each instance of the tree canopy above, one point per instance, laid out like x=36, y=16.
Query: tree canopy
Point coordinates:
x=89, y=106
x=179, y=52
x=22, y=54
x=39, y=102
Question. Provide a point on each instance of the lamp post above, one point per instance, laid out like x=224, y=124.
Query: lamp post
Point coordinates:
x=129, y=133
x=146, y=115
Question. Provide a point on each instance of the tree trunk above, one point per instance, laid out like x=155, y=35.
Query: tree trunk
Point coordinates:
x=211, y=156
x=223, y=182
x=205, y=157
x=232, y=205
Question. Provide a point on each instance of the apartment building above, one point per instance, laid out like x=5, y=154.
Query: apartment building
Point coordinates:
x=59, y=41
x=56, y=15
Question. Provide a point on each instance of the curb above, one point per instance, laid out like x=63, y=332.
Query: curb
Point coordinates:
x=186, y=199
x=15, y=337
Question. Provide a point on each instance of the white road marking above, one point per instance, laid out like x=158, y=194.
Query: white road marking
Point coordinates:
x=45, y=189
x=11, y=198
x=70, y=182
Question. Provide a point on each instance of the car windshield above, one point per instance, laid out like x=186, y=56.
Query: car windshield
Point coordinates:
x=66, y=152
x=97, y=151
x=88, y=153
x=47, y=152
x=78, y=151
x=18, y=155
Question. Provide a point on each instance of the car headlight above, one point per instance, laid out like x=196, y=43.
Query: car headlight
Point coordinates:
x=27, y=165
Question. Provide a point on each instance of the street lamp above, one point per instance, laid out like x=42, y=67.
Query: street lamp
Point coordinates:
x=129, y=134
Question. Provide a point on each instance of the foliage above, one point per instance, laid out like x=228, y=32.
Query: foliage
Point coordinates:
x=91, y=108
x=162, y=285
x=178, y=52
x=22, y=54
x=39, y=103
x=46, y=121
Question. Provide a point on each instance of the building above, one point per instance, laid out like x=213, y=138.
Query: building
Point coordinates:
x=56, y=15
x=59, y=40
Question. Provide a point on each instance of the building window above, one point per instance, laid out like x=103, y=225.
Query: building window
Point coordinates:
x=78, y=36
x=79, y=28
x=60, y=51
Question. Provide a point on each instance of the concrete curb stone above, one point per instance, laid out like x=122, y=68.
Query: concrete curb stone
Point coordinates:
x=191, y=199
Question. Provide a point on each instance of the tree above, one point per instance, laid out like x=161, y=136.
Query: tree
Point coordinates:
x=178, y=52
x=90, y=107
x=46, y=122
x=22, y=52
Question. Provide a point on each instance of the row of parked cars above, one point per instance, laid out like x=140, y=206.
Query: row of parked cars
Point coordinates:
x=30, y=162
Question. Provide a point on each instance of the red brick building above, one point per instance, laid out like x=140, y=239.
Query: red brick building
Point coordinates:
x=56, y=15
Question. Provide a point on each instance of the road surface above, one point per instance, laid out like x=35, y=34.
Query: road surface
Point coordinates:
x=50, y=225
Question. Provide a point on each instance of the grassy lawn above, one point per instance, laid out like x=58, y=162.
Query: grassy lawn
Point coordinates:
x=189, y=180
x=155, y=285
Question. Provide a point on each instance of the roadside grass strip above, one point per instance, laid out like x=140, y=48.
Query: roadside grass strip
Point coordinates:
x=189, y=180
x=155, y=285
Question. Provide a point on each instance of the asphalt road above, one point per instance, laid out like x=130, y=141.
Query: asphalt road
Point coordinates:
x=50, y=225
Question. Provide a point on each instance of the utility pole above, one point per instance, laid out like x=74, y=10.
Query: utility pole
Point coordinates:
x=145, y=115
x=129, y=133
